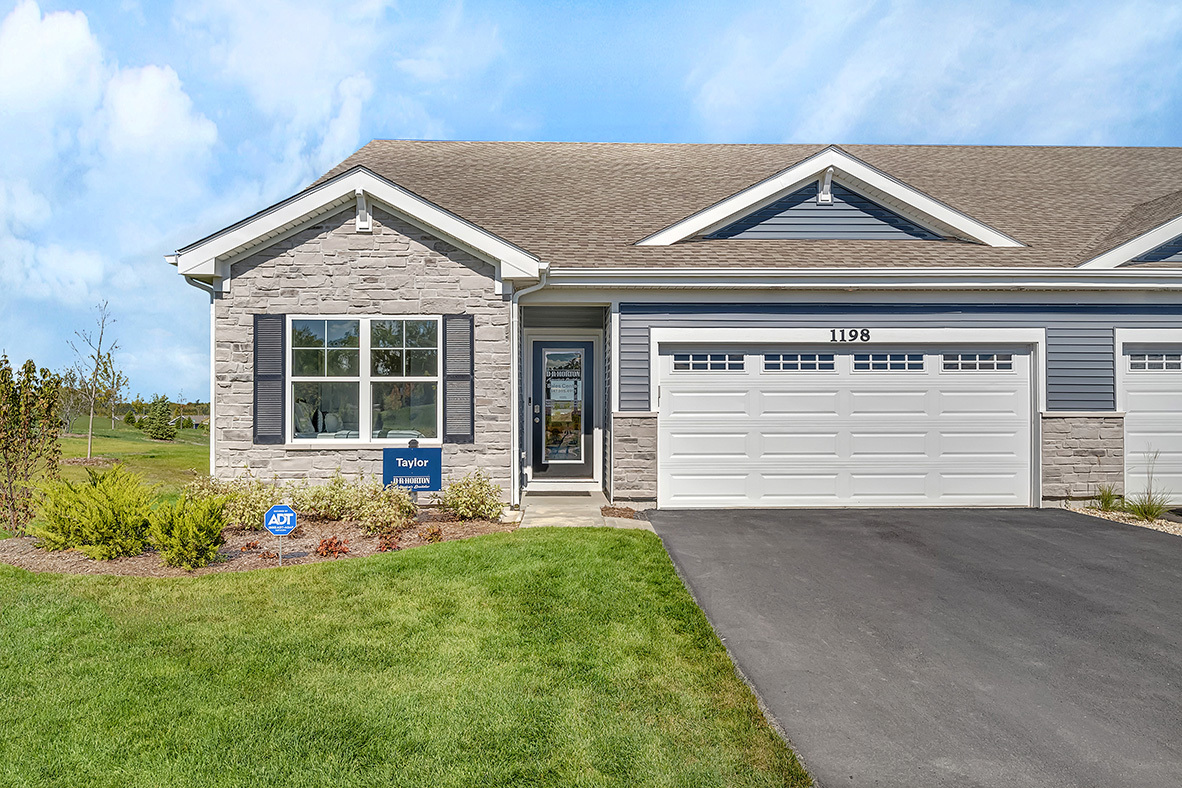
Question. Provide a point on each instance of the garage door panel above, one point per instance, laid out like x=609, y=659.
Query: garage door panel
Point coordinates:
x=798, y=444
x=888, y=403
x=980, y=402
x=1153, y=420
x=722, y=445
x=917, y=437
x=797, y=403
x=911, y=445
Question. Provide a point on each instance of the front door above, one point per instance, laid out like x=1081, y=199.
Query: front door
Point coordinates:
x=562, y=410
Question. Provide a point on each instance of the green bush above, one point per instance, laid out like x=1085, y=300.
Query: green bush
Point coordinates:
x=187, y=423
x=247, y=498
x=1108, y=499
x=129, y=418
x=473, y=497
x=188, y=533
x=368, y=502
x=1148, y=505
x=104, y=517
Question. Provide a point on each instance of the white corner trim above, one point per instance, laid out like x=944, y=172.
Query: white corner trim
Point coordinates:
x=356, y=185
x=785, y=182
x=1135, y=247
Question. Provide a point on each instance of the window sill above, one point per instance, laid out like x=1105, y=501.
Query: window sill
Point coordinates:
x=375, y=445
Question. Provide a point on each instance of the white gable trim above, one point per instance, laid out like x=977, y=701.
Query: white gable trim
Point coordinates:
x=1132, y=249
x=752, y=198
x=361, y=187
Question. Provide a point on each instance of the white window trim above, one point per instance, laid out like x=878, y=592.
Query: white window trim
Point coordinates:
x=364, y=379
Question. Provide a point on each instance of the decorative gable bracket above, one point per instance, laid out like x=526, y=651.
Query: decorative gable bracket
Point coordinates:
x=826, y=166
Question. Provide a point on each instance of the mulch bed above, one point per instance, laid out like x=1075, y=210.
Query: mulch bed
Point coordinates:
x=89, y=461
x=626, y=512
x=245, y=550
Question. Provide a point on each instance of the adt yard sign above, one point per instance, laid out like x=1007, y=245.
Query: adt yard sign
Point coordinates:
x=413, y=469
x=280, y=520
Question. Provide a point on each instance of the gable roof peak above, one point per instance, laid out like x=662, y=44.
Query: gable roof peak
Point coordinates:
x=881, y=186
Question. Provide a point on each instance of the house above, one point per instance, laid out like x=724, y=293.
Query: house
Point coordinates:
x=712, y=325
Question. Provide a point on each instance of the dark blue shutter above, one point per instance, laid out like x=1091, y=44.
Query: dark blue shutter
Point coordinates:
x=270, y=350
x=459, y=388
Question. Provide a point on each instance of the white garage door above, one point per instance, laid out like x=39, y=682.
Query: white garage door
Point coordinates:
x=814, y=427
x=1153, y=419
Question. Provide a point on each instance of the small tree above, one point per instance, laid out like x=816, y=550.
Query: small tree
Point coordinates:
x=71, y=398
x=94, y=367
x=129, y=418
x=115, y=382
x=29, y=432
x=155, y=424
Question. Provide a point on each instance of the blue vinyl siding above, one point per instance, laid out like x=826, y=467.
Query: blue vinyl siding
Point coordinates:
x=1169, y=252
x=851, y=217
x=1081, y=366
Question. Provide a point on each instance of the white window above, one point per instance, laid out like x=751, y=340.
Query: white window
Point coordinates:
x=367, y=379
x=978, y=362
x=1155, y=362
x=798, y=362
x=707, y=362
x=888, y=362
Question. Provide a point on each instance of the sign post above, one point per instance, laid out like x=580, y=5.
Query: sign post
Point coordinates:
x=280, y=520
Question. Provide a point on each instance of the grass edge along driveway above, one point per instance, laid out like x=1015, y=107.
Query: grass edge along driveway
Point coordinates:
x=547, y=657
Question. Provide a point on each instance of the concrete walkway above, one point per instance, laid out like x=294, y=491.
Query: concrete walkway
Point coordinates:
x=573, y=509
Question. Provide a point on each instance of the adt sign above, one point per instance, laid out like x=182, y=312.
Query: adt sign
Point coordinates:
x=413, y=469
x=280, y=520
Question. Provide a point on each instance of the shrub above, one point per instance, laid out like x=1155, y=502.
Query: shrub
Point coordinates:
x=376, y=507
x=29, y=431
x=473, y=497
x=332, y=546
x=1148, y=505
x=431, y=534
x=1108, y=499
x=104, y=517
x=247, y=498
x=188, y=533
x=129, y=418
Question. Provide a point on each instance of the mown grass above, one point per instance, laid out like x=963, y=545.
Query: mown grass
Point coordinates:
x=563, y=657
x=170, y=464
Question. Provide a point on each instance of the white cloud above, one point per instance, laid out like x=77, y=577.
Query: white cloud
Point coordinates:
x=909, y=72
x=147, y=113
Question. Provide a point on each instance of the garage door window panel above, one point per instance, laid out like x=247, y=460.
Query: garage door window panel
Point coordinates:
x=708, y=362
x=978, y=362
x=888, y=362
x=799, y=362
x=1155, y=362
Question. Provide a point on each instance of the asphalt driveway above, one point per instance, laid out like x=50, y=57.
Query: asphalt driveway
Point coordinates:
x=951, y=647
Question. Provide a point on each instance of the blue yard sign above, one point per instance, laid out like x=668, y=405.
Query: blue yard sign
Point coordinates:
x=280, y=520
x=413, y=469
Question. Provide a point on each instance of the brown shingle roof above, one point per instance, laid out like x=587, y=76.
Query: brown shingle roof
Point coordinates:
x=586, y=204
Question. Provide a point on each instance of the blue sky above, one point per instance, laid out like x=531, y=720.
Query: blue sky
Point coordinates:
x=128, y=129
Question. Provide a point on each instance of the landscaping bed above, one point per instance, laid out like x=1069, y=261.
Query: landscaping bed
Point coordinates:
x=251, y=549
x=1158, y=524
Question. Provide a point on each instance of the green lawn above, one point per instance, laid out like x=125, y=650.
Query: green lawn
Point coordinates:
x=171, y=464
x=563, y=657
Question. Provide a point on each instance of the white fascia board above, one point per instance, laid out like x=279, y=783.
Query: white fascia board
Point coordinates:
x=201, y=258
x=784, y=182
x=1134, y=248
x=866, y=279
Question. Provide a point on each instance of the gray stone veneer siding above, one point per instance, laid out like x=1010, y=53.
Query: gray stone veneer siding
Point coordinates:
x=634, y=455
x=1081, y=453
x=330, y=269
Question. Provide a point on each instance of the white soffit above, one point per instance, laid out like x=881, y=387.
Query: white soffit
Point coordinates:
x=848, y=171
x=1135, y=247
x=207, y=257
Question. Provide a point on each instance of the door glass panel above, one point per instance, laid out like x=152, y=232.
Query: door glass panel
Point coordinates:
x=563, y=406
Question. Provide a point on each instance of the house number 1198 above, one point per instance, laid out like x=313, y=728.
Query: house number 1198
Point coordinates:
x=849, y=335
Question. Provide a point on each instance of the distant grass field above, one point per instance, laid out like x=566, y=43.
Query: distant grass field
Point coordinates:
x=170, y=464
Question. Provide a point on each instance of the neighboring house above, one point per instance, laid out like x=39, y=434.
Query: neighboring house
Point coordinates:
x=712, y=325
